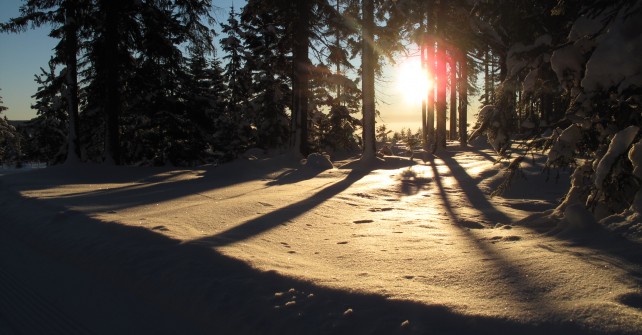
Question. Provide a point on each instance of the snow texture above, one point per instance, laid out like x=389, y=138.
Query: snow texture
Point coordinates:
x=252, y=247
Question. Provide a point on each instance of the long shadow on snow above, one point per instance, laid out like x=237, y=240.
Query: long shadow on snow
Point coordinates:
x=140, y=193
x=280, y=216
x=221, y=295
x=523, y=289
x=616, y=249
x=475, y=196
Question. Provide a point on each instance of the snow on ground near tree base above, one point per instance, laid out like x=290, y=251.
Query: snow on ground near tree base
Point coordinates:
x=407, y=247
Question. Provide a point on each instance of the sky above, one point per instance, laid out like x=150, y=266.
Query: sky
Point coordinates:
x=22, y=55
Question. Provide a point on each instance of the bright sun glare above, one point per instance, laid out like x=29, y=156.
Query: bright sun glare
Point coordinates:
x=412, y=82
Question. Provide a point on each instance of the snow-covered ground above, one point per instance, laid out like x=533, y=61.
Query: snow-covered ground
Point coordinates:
x=271, y=246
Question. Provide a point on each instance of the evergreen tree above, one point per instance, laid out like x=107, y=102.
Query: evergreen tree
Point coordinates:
x=236, y=125
x=7, y=136
x=2, y=107
x=267, y=47
x=49, y=141
x=67, y=22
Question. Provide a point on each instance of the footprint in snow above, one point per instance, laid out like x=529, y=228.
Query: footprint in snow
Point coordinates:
x=377, y=209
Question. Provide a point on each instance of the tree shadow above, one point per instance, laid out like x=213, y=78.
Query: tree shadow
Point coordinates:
x=294, y=176
x=280, y=216
x=473, y=194
x=142, y=186
x=523, y=289
x=218, y=294
x=411, y=184
x=616, y=249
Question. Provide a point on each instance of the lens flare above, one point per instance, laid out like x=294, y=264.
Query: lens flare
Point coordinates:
x=412, y=81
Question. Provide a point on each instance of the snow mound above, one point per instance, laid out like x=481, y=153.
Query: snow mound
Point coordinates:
x=578, y=219
x=319, y=162
x=620, y=142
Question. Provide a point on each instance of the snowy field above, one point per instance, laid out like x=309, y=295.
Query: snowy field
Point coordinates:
x=272, y=246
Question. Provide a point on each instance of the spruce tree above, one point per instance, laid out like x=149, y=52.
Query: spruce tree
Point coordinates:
x=266, y=59
x=67, y=25
x=49, y=143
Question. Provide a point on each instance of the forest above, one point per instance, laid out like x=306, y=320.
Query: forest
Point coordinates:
x=225, y=170
x=150, y=82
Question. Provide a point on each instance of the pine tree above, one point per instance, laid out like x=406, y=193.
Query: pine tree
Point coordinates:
x=50, y=134
x=7, y=136
x=236, y=126
x=63, y=16
x=2, y=107
x=266, y=49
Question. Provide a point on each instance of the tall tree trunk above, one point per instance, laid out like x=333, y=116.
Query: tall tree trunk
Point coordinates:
x=463, y=98
x=486, y=77
x=110, y=57
x=300, y=85
x=442, y=83
x=338, y=46
x=453, y=95
x=424, y=66
x=368, y=61
x=430, y=100
x=71, y=79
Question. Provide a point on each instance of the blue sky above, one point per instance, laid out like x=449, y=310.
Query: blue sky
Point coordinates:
x=22, y=55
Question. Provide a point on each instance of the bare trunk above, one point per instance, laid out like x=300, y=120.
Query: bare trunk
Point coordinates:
x=71, y=49
x=463, y=99
x=442, y=83
x=453, y=96
x=368, y=59
x=111, y=101
x=424, y=135
x=300, y=87
x=430, y=100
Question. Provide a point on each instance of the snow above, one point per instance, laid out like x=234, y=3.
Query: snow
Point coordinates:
x=618, y=146
x=517, y=58
x=264, y=246
x=564, y=145
x=615, y=62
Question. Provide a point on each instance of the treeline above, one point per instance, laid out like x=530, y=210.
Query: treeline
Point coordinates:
x=139, y=82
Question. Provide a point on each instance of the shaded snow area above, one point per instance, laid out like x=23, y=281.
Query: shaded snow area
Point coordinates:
x=280, y=246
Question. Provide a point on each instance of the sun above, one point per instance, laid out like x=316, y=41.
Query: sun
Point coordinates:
x=412, y=81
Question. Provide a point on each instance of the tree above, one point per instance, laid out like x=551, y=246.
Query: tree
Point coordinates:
x=50, y=142
x=368, y=63
x=134, y=41
x=236, y=126
x=266, y=58
x=301, y=76
x=10, y=143
x=66, y=24
x=2, y=108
